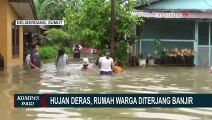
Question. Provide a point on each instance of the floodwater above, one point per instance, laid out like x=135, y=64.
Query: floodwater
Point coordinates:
x=134, y=80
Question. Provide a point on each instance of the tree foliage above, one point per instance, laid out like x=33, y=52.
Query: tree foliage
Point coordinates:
x=50, y=10
x=38, y=5
x=89, y=21
x=58, y=36
x=92, y=21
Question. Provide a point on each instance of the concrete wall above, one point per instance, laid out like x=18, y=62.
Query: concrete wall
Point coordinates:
x=3, y=28
x=179, y=30
x=11, y=16
x=7, y=16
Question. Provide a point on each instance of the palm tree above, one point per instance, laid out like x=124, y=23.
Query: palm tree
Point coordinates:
x=38, y=4
x=50, y=9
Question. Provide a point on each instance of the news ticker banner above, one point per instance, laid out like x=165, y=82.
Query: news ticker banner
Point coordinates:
x=112, y=100
x=39, y=22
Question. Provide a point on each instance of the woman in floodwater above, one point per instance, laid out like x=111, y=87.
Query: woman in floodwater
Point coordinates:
x=106, y=65
x=61, y=61
x=76, y=51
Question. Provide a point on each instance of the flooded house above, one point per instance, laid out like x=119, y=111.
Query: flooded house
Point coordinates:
x=12, y=37
x=177, y=24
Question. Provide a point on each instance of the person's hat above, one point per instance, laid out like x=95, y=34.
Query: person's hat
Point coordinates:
x=85, y=61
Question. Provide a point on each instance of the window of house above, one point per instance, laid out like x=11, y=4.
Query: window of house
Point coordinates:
x=15, y=41
x=203, y=33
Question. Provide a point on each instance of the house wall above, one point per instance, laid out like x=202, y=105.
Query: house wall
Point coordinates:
x=3, y=51
x=175, y=33
x=203, y=33
x=7, y=16
x=11, y=16
x=204, y=44
x=168, y=29
x=3, y=28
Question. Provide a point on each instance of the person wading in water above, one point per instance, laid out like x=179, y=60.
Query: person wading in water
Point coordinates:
x=76, y=51
x=35, y=60
x=106, y=65
x=86, y=66
x=61, y=61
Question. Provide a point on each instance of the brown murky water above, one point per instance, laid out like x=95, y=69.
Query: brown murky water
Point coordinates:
x=133, y=80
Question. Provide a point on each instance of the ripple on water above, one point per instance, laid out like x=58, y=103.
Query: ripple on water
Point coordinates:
x=135, y=83
x=186, y=92
x=166, y=116
x=198, y=111
x=55, y=86
x=59, y=119
x=55, y=113
x=206, y=88
x=86, y=90
x=129, y=86
x=167, y=88
x=153, y=88
x=48, y=91
x=45, y=84
x=137, y=91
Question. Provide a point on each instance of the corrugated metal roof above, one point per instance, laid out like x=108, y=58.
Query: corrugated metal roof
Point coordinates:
x=192, y=5
x=172, y=14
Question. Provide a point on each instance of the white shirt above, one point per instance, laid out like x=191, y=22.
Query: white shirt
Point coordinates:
x=80, y=47
x=27, y=59
x=105, y=64
x=61, y=63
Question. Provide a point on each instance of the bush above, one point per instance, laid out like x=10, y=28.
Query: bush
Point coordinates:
x=67, y=50
x=49, y=52
x=122, y=51
x=58, y=36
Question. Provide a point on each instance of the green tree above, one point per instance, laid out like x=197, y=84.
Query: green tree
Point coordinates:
x=59, y=37
x=38, y=4
x=54, y=9
x=91, y=23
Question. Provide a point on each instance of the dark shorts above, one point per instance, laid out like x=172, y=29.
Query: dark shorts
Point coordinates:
x=76, y=55
x=105, y=73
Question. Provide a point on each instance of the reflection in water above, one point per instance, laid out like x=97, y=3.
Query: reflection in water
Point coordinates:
x=134, y=80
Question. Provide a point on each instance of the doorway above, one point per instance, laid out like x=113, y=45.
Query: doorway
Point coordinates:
x=204, y=44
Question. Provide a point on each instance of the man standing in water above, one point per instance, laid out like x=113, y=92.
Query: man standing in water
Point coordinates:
x=106, y=65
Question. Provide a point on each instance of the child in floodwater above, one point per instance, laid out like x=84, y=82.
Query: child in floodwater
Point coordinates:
x=86, y=65
x=117, y=68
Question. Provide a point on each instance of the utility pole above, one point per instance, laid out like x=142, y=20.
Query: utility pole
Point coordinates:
x=112, y=42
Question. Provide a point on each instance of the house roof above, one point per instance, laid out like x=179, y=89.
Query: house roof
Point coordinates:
x=190, y=5
x=145, y=3
x=180, y=9
x=26, y=11
x=173, y=14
